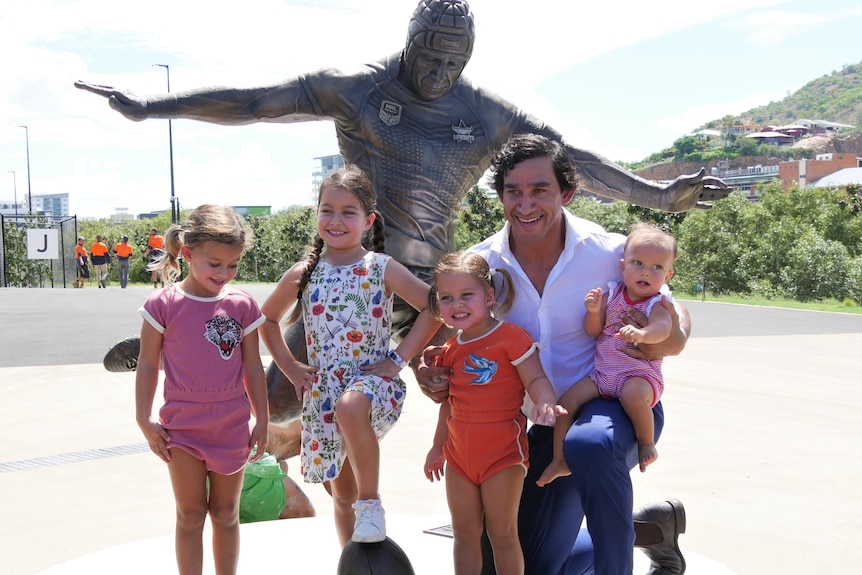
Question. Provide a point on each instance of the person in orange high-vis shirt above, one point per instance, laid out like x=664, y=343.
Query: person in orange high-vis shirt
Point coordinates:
x=81, y=263
x=123, y=251
x=155, y=248
x=101, y=257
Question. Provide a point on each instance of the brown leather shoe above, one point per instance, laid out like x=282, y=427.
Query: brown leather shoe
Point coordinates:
x=657, y=529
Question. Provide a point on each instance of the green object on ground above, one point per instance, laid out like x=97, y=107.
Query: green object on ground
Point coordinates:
x=262, y=497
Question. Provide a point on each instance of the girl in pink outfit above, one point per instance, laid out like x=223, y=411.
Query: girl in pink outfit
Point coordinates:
x=647, y=265
x=205, y=332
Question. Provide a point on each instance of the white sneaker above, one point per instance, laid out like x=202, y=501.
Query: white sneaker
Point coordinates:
x=370, y=526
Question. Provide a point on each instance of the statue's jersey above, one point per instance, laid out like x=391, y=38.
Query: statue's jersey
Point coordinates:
x=423, y=157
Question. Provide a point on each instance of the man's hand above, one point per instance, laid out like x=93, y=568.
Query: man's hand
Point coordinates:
x=128, y=104
x=432, y=380
x=675, y=342
x=692, y=191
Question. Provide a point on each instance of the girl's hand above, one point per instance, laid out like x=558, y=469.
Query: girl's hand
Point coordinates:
x=258, y=438
x=547, y=413
x=631, y=334
x=385, y=369
x=593, y=300
x=434, y=463
x=157, y=436
x=302, y=377
x=433, y=380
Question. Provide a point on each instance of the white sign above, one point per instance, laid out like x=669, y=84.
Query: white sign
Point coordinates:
x=42, y=245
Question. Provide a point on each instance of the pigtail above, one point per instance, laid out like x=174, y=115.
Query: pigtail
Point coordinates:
x=167, y=265
x=312, y=258
x=504, y=291
x=378, y=235
x=433, y=303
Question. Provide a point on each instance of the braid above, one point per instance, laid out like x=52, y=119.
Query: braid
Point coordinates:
x=378, y=236
x=312, y=258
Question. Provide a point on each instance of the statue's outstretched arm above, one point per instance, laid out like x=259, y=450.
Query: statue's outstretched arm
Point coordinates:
x=607, y=179
x=217, y=104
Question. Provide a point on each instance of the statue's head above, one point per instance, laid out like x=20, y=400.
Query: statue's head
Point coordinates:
x=439, y=44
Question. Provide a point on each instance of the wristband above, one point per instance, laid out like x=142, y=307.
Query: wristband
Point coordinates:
x=396, y=358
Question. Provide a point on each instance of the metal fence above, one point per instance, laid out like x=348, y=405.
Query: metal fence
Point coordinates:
x=17, y=270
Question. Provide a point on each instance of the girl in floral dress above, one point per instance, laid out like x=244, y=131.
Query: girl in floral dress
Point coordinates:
x=350, y=390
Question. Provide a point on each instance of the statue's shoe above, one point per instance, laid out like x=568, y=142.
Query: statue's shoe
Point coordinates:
x=123, y=356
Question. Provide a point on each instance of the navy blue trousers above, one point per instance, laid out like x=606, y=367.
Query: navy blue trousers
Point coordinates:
x=601, y=450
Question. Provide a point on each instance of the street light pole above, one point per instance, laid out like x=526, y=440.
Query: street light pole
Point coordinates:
x=29, y=190
x=175, y=212
x=15, y=191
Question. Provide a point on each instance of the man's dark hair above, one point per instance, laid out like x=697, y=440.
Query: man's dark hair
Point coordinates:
x=521, y=147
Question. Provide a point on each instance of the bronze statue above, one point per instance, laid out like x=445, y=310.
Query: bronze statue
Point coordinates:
x=420, y=130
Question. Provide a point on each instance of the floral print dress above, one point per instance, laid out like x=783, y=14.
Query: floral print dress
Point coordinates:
x=347, y=315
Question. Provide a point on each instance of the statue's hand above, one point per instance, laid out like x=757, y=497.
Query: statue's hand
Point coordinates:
x=692, y=191
x=128, y=104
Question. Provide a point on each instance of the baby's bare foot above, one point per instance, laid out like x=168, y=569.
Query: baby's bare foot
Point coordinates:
x=556, y=468
x=646, y=455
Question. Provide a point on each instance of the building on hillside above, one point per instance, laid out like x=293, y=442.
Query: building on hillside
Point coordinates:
x=325, y=166
x=822, y=126
x=741, y=129
x=746, y=179
x=772, y=138
x=806, y=172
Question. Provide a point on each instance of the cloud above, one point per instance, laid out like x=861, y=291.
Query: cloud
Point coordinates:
x=776, y=27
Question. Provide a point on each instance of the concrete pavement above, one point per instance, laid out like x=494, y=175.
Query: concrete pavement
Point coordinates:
x=760, y=444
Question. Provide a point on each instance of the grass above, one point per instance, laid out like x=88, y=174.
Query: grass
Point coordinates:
x=847, y=306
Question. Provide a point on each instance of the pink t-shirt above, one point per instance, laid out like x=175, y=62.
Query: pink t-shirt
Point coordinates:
x=201, y=348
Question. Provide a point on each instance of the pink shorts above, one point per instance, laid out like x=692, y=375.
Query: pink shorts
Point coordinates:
x=612, y=387
x=217, y=433
x=476, y=451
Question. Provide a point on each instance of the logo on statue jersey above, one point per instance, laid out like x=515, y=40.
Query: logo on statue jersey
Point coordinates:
x=463, y=132
x=390, y=112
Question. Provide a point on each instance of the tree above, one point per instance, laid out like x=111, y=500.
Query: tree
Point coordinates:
x=481, y=215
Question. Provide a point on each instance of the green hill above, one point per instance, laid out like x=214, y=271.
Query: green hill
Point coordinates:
x=835, y=97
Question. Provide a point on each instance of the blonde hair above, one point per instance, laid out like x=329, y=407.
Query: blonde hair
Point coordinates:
x=649, y=234
x=206, y=223
x=477, y=266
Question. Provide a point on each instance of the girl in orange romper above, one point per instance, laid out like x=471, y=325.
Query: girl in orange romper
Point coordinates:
x=481, y=432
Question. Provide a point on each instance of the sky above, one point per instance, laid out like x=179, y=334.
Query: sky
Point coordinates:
x=624, y=79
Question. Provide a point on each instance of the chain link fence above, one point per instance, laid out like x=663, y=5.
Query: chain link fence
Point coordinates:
x=17, y=270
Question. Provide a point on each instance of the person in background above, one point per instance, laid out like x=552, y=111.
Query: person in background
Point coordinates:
x=101, y=257
x=81, y=266
x=155, y=249
x=123, y=250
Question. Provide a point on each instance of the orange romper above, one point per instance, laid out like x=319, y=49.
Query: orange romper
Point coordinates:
x=487, y=431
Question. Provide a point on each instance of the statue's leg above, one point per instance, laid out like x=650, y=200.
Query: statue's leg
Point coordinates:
x=283, y=404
